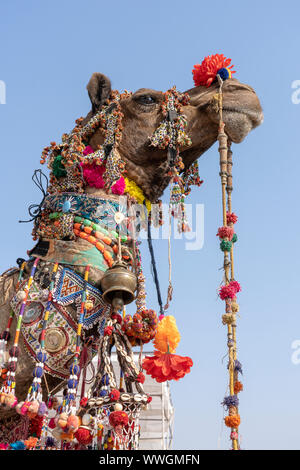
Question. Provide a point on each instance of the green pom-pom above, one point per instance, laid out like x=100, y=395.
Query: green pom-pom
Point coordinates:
x=225, y=245
x=234, y=238
x=58, y=168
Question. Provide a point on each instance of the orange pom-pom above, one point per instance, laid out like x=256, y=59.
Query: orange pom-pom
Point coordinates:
x=232, y=421
x=238, y=387
x=167, y=335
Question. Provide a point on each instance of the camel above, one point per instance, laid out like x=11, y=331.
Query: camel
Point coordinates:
x=145, y=165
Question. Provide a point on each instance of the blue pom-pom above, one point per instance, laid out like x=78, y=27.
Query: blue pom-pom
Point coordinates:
x=224, y=73
x=42, y=357
x=50, y=442
x=72, y=383
x=238, y=367
x=74, y=369
x=18, y=445
x=37, y=372
x=71, y=397
x=103, y=393
x=231, y=400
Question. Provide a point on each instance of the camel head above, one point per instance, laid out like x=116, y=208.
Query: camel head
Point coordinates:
x=142, y=115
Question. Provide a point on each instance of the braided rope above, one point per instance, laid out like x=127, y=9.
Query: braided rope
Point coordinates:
x=224, y=166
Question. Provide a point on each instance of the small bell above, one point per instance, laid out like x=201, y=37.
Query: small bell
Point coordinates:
x=118, y=285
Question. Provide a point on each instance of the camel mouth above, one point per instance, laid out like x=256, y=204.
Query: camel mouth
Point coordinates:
x=256, y=117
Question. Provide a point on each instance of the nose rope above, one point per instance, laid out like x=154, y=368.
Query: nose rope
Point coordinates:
x=230, y=288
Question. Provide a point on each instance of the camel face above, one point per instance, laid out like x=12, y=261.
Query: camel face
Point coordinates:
x=146, y=165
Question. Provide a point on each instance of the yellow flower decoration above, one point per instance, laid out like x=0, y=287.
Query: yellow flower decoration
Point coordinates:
x=137, y=193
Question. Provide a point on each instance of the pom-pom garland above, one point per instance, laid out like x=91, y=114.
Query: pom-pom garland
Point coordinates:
x=141, y=326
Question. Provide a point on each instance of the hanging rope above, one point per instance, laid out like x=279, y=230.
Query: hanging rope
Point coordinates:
x=154, y=269
x=35, y=210
x=226, y=293
x=170, y=287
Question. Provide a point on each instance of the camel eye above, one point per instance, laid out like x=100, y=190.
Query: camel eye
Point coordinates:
x=146, y=99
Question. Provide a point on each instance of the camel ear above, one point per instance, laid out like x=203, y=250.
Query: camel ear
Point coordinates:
x=99, y=89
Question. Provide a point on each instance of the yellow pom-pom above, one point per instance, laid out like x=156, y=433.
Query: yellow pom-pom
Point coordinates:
x=135, y=191
x=235, y=307
x=167, y=336
x=228, y=318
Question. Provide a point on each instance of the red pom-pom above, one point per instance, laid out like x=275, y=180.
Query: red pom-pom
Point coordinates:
x=205, y=73
x=118, y=418
x=140, y=378
x=117, y=316
x=227, y=292
x=108, y=330
x=83, y=436
x=236, y=286
x=225, y=232
x=149, y=399
x=231, y=217
x=84, y=402
x=114, y=395
x=51, y=423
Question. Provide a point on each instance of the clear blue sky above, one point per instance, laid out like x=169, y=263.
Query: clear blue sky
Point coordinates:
x=48, y=52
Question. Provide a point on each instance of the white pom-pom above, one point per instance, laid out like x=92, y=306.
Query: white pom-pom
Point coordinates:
x=118, y=407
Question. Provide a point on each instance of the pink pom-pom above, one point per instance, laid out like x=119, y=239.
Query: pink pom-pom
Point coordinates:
x=225, y=232
x=118, y=187
x=236, y=286
x=24, y=408
x=33, y=409
x=227, y=292
x=52, y=423
x=161, y=317
x=88, y=149
x=231, y=218
x=92, y=174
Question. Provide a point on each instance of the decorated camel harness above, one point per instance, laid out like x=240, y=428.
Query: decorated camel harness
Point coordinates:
x=68, y=299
